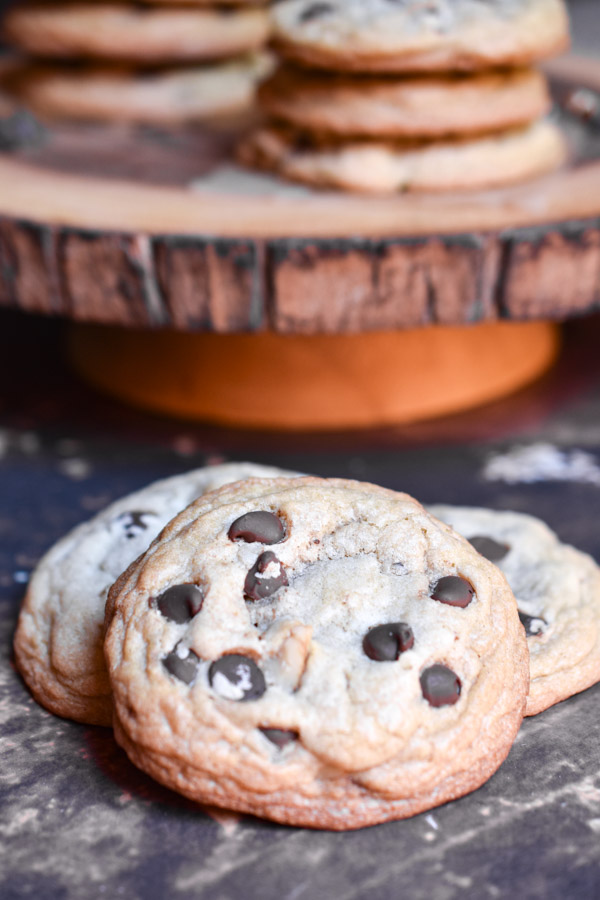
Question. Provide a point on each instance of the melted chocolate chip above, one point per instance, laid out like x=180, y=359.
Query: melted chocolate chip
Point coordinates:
x=183, y=669
x=533, y=624
x=236, y=677
x=315, y=11
x=181, y=602
x=453, y=590
x=488, y=547
x=440, y=686
x=279, y=736
x=387, y=642
x=259, y=585
x=260, y=527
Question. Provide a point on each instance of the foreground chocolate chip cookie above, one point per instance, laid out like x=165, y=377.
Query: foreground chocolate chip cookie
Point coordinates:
x=380, y=166
x=58, y=642
x=411, y=106
x=558, y=594
x=318, y=652
x=134, y=33
x=118, y=94
x=419, y=35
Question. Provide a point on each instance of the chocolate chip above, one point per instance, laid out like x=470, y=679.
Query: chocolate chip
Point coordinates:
x=265, y=577
x=316, y=11
x=279, y=736
x=440, y=686
x=183, y=669
x=488, y=547
x=133, y=522
x=236, y=677
x=181, y=602
x=260, y=527
x=387, y=642
x=453, y=590
x=533, y=624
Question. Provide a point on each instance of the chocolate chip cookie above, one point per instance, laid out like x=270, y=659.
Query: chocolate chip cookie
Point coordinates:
x=558, y=594
x=318, y=652
x=134, y=33
x=419, y=35
x=387, y=166
x=119, y=94
x=421, y=106
x=58, y=642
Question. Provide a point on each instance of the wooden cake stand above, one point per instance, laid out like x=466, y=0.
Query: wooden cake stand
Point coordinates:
x=250, y=301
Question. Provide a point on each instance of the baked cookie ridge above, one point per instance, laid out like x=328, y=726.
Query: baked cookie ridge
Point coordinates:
x=320, y=652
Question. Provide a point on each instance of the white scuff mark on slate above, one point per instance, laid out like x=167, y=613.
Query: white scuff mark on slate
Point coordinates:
x=21, y=577
x=242, y=850
x=431, y=821
x=297, y=892
x=542, y=462
x=507, y=812
x=594, y=824
x=18, y=822
x=75, y=468
x=461, y=881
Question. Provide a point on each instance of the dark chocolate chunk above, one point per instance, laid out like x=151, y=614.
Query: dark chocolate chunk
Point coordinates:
x=236, y=677
x=453, y=590
x=315, y=11
x=259, y=586
x=440, y=685
x=387, y=642
x=533, y=624
x=488, y=547
x=183, y=669
x=260, y=527
x=181, y=602
x=133, y=522
x=279, y=736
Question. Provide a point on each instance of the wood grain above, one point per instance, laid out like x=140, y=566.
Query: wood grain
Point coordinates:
x=136, y=254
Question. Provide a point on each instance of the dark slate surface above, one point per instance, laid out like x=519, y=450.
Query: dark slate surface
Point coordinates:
x=78, y=821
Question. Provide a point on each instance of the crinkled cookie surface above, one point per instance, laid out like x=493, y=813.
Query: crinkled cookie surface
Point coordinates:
x=419, y=35
x=319, y=652
x=58, y=642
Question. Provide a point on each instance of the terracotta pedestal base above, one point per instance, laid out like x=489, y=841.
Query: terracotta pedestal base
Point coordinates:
x=317, y=382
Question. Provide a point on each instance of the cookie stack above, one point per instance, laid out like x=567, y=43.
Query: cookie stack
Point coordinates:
x=158, y=62
x=320, y=652
x=427, y=95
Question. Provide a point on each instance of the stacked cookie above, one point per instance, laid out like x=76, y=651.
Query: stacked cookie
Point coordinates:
x=161, y=62
x=411, y=95
x=321, y=652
